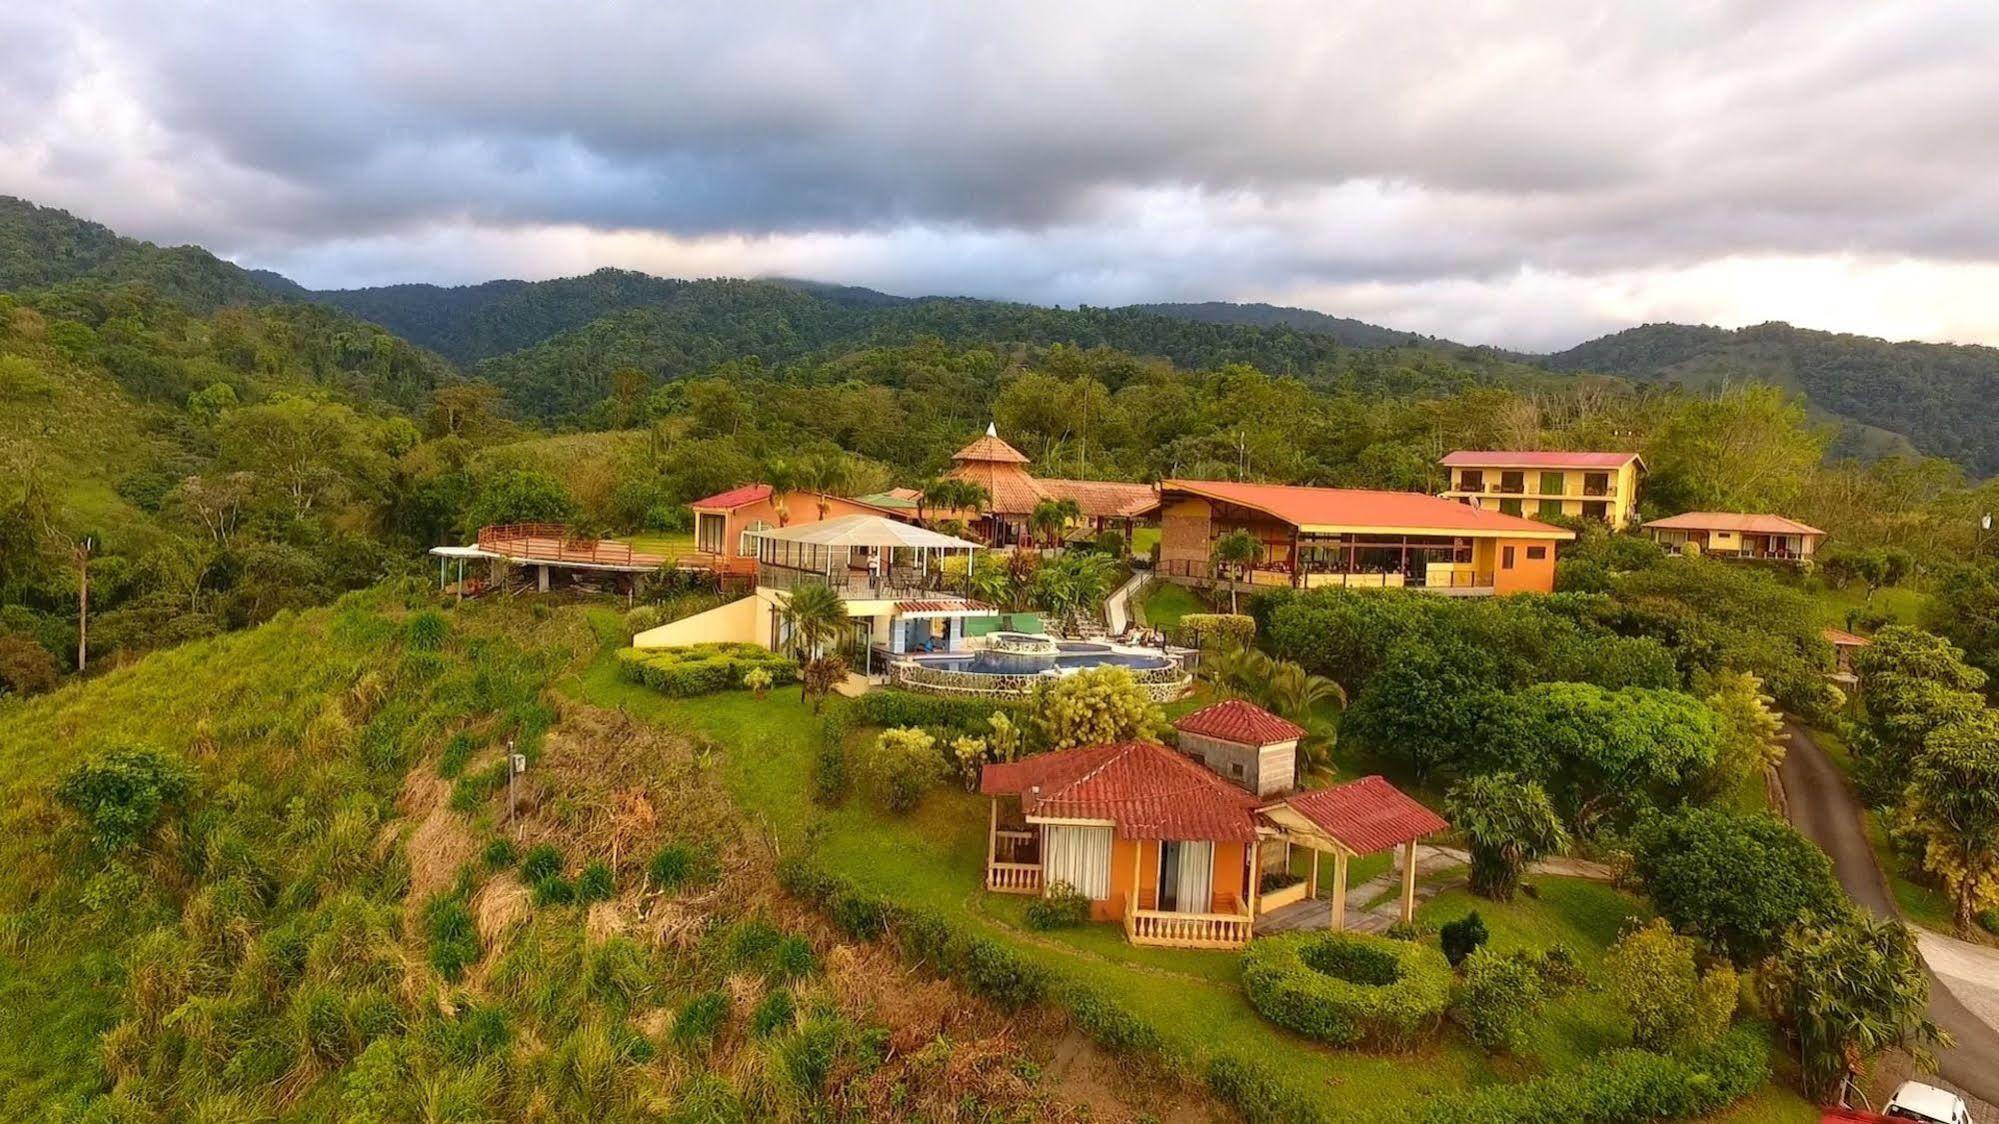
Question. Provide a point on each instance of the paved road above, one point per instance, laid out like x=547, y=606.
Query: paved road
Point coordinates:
x=1824, y=806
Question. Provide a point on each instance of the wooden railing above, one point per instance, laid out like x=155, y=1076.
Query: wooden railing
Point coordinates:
x=1013, y=878
x=1014, y=846
x=1185, y=930
x=553, y=542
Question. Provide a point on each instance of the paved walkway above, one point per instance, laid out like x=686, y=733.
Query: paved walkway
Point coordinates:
x=1964, y=986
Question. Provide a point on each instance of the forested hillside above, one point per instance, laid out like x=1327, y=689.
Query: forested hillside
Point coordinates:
x=43, y=246
x=1939, y=396
x=1352, y=333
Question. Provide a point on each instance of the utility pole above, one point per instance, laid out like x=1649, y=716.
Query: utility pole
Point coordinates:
x=517, y=763
x=83, y=604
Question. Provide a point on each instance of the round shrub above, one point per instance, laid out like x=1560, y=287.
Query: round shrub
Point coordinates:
x=1348, y=988
x=1062, y=908
x=596, y=883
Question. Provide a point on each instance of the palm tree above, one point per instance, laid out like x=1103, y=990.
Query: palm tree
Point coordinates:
x=926, y=495
x=1508, y=822
x=814, y=615
x=1297, y=694
x=783, y=476
x=1050, y=517
x=824, y=475
x=1240, y=550
x=951, y=494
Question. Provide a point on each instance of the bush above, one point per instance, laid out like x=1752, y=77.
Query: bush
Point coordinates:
x=1260, y=1097
x=1499, y=993
x=426, y=631
x=26, y=668
x=996, y=971
x=1617, y=1086
x=902, y=764
x=554, y=890
x=542, y=861
x=1348, y=988
x=499, y=853
x=701, y=669
x=124, y=793
x=774, y=1015
x=1061, y=908
x=644, y=618
x=1463, y=937
x=1108, y=1024
x=1094, y=706
x=595, y=884
x=1216, y=630
x=830, y=780
x=891, y=707
x=1650, y=974
x=677, y=864
x=1736, y=881
x=453, y=939
x=697, y=1024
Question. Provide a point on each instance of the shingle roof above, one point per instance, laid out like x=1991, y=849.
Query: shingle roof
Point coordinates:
x=1241, y=722
x=1755, y=524
x=1110, y=499
x=1530, y=458
x=735, y=497
x=1367, y=815
x=1339, y=509
x=990, y=448
x=1012, y=490
x=1147, y=790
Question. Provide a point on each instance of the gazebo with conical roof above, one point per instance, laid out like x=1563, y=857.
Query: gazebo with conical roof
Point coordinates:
x=1001, y=470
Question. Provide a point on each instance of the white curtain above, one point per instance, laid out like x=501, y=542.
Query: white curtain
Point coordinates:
x=1197, y=877
x=1080, y=856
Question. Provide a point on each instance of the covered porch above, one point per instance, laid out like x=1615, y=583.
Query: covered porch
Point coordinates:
x=1363, y=817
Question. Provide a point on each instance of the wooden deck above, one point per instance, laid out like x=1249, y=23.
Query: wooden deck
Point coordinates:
x=554, y=543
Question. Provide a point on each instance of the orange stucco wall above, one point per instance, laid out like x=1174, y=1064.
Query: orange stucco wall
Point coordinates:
x=1527, y=574
x=1228, y=888
x=800, y=508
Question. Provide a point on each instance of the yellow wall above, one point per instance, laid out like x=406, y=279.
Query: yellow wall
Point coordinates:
x=1622, y=500
x=745, y=620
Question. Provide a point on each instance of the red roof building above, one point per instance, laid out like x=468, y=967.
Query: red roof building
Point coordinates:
x=1521, y=458
x=1012, y=493
x=1734, y=534
x=1239, y=721
x=1548, y=484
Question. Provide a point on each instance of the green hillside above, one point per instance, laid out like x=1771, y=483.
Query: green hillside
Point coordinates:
x=42, y=246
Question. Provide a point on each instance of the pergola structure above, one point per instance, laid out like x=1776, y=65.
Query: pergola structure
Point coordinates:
x=859, y=555
x=1361, y=817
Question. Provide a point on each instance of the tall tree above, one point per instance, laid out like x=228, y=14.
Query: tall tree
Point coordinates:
x=1507, y=822
x=1848, y=987
x=1953, y=805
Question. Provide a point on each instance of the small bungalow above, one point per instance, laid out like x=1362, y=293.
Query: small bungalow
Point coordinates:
x=1314, y=537
x=1730, y=534
x=1844, y=645
x=724, y=522
x=1178, y=854
x=1600, y=486
x=1244, y=743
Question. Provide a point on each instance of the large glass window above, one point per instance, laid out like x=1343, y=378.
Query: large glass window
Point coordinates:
x=1551, y=507
x=1471, y=480
x=1552, y=484
x=1510, y=507
x=709, y=529
x=1514, y=482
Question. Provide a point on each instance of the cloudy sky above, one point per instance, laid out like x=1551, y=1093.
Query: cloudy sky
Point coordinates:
x=1528, y=175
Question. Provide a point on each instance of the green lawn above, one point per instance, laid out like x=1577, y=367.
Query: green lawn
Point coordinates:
x=1165, y=603
x=1902, y=604
x=934, y=856
x=660, y=542
x=1143, y=539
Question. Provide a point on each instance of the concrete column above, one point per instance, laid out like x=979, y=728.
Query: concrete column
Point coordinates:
x=1409, y=881
x=541, y=582
x=1312, y=873
x=1339, y=890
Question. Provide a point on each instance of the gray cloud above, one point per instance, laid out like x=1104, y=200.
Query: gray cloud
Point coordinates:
x=1107, y=151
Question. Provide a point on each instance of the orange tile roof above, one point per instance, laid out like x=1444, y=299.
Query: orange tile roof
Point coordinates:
x=989, y=447
x=1339, y=508
x=1841, y=638
x=1011, y=490
x=1367, y=815
x=1241, y=722
x=1755, y=524
x=1109, y=499
x=1529, y=458
x=1147, y=790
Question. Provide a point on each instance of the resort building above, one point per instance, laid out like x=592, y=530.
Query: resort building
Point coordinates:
x=552, y=552
x=891, y=575
x=1176, y=853
x=1314, y=537
x=1728, y=534
x=1601, y=486
x=1001, y=470
x=724, y=522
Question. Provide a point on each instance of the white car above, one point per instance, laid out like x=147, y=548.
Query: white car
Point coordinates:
x=1914, y=1100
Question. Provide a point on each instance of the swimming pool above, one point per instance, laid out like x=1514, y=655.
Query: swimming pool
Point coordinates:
x=1012, y=663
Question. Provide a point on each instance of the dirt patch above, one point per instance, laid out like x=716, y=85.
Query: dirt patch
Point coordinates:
x=441, y=843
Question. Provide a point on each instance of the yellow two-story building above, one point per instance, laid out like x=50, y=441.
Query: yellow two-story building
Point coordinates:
x=1601, y=486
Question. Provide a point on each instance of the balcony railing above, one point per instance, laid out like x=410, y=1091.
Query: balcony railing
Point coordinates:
x=1013, y=878
x=853, y=584
x=1185, y=930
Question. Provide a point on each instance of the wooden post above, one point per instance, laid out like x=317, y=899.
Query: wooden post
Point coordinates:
x=1312, y=873
x=992, y=837
x=1339, y=891
x=1255, y=875
x=1137, y=874
x=1409, y=881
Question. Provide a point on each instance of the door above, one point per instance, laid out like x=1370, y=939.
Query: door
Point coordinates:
x=1169, y=875
x=1186, y=876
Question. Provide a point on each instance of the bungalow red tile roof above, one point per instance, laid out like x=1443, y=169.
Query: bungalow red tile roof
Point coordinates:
x=1841, y=638
x=1536, y=458
x=735, y=497
x=1147, y=790
x=1244, y=723
x=988, y=447
x=1367, y=815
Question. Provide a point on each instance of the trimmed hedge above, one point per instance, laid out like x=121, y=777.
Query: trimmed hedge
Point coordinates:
x=1618, y=1086
x=886, y=706
x=702, y=669
x=1348, y=988
x=1208, y=630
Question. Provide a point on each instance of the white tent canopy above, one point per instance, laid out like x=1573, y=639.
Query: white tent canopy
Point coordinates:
x=864, y=531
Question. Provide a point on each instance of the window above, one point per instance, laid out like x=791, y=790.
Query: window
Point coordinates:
x=1081, y=856
x=1510, y=507
x=1598, y=510
x=1235, y=769
x=1506, y=558
x=1471, y=480
x=1514, y=482
x=1552, y=484
x=1550, y=508
x=1537, y=553
x=709, y=529
x=747, y=546
x=1596, y=484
